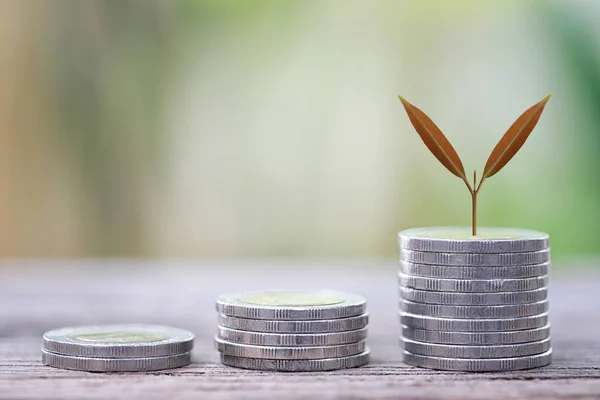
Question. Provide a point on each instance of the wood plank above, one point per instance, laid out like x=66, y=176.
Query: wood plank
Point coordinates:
x=35, y=297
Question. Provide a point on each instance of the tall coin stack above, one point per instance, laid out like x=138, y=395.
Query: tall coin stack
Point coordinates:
x=474, y=303
x=292, y=330
x=117, y=348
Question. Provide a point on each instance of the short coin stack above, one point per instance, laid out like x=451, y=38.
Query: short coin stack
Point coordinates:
x=117, y=348
x=292, y=330
x=474, y=303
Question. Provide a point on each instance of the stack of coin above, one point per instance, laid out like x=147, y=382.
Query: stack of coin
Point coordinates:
x=292, y=330
x=112, y=348
x=474, y=303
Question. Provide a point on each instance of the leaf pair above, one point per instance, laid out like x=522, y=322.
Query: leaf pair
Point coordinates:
x=504, y=151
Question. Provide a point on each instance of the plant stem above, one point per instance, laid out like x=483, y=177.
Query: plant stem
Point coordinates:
x=474, y=209
x=474, y=204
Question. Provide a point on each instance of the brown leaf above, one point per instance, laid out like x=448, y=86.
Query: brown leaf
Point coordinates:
x=513, y=139
x=434, y=139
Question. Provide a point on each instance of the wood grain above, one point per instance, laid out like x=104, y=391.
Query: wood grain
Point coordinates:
x=38, y=296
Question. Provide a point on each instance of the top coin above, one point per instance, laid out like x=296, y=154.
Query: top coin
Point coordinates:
x=460, y=240
x=291, y=304
x=118, y=341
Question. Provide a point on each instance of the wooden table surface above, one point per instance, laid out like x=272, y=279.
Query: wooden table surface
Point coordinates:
x=38, y=296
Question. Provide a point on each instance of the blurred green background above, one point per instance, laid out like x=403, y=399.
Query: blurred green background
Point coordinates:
x=238, y=128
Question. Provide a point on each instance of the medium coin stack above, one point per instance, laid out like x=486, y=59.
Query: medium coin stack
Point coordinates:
x=474, y=303
x=117, y=348
x=292, y=330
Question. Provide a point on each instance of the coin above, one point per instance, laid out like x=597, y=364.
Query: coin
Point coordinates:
x=451, y=311
x=472, y=259
x=476, y=338
x=284, y=339
x=460, y=240
x=472, y=285
x=291, y=305
x=473, y=299
x=118, y=341
x=288, y=353
x=478, y=365
x=471, y=272
x=326, y=364
x=487, y=351
x=96, y=364
x=314, y=326
x=473, y=325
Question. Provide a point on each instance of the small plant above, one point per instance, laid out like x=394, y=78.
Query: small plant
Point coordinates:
x=504, y=151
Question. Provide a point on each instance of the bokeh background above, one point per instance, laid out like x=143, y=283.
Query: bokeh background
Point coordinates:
x=258, y=129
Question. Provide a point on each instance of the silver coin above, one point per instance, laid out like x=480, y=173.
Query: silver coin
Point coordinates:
x=478, y=365
x=314, y=326
x=95, y=364
x=458, y=272
x=286, y=339
x=291, y=304
x=472, y=285
x=459, y=240
x=473, y=325
x=473, y=299
x=288, y=353
x=476, y=338
x=472, y=259
x=118, y=341
x=451, y=311
x=327, y=364
x=488, y=351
